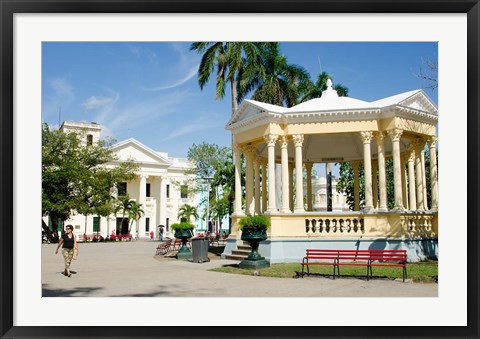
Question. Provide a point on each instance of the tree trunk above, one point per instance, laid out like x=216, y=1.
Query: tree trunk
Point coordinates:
x=52, y=236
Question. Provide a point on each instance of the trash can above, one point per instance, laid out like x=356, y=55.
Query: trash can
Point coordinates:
x=200, y=250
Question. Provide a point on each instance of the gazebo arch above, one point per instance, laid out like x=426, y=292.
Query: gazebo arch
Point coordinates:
x=338, y=129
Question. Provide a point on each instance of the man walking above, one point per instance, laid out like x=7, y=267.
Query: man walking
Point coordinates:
x=160, y=232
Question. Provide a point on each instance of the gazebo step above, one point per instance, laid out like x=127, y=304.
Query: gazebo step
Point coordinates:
x=244, y=247
x=241, y=252
x=234, y=257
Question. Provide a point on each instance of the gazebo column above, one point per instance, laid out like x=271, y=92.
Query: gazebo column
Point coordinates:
x=424, y=177
x=237, y=153
x=256, y=164
x=395, y=135
x=404, y=181
x=271, y=139
x=298, y=141
x=375, y=184
x=411, y=182
x=356, y=187
x=249, y=200
x=381, y=172
x=285, y=186
x=367, y=165
x=264, y=185
x=290, y=185
x=419, y=175
x=309, y=167
x=433, y=172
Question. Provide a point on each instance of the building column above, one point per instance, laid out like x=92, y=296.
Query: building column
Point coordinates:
x=356, y=186
x=264, y=185
x=367, y=166
x=298, y=141
x=417, y=144
x=309, y=167
x=395, y=135
x=411, y=182
x=433, y=172
x=382, y=177
x=162, y=203
x=375, y=184
x=142, y=200
x=256, y=165
x=237, y=159
x=249, y=203
x=285, y=186
x=271, y=139
x=290, y=185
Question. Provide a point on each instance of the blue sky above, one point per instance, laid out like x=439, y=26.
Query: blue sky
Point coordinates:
x=149, y=91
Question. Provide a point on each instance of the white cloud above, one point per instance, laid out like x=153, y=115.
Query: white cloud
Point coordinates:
x=195, y=126
x=191, y=73
x=95, y=102
x=63, y=90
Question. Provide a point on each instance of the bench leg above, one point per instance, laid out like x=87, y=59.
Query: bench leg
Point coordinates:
x=368, y=267
x=404, y=273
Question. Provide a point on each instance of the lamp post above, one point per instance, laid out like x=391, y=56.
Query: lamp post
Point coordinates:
x=207, y=179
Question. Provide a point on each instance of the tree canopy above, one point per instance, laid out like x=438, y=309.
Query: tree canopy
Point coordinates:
x=76, y=178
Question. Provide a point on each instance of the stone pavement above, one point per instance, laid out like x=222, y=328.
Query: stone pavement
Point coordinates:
x=131, y=269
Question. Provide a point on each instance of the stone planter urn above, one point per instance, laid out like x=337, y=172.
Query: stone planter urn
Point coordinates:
x=183, y=233
x=254, y=230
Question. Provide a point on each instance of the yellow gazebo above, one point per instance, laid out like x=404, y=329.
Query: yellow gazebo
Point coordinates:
x=338, y=129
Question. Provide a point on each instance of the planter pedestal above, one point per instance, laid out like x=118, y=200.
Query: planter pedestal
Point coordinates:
x=184, y=252
x=253, y=236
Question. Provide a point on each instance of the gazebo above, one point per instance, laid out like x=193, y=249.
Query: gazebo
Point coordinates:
x=334, y=129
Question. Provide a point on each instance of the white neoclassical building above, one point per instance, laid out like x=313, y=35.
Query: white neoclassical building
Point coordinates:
x=321, y=193
x=157, y=187
x=334, y=129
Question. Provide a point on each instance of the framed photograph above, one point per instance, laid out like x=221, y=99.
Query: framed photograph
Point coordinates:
x=27, y=26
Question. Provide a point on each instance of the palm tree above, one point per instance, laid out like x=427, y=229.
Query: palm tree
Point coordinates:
x=280, y=84
x=187, y=211
x=231, y=60
x=135, y=212
x=316, y=89
x=123, y=205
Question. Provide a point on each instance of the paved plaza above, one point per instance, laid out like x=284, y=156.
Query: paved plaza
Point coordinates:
x=131, y=269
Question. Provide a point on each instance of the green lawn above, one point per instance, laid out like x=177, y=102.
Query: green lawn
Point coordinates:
x=426, y=272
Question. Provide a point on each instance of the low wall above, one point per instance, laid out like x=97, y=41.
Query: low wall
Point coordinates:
x=293, y=250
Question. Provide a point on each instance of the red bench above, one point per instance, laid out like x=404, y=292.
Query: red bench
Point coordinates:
x=164, y=248
x=366, y=258
x=124, y=237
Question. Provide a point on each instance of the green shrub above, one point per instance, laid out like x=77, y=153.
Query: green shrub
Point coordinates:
x=182, y=225
x=258, y=221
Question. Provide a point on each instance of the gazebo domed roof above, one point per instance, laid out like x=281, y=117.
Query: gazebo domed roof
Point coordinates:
x=331, y=125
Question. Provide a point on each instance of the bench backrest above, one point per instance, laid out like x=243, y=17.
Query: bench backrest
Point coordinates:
x=374, y=255
x=388, y=255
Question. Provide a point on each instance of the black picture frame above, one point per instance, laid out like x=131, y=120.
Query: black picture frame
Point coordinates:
x=9, y=7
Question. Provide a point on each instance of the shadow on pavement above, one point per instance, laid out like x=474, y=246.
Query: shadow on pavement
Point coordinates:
x=77, y=292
